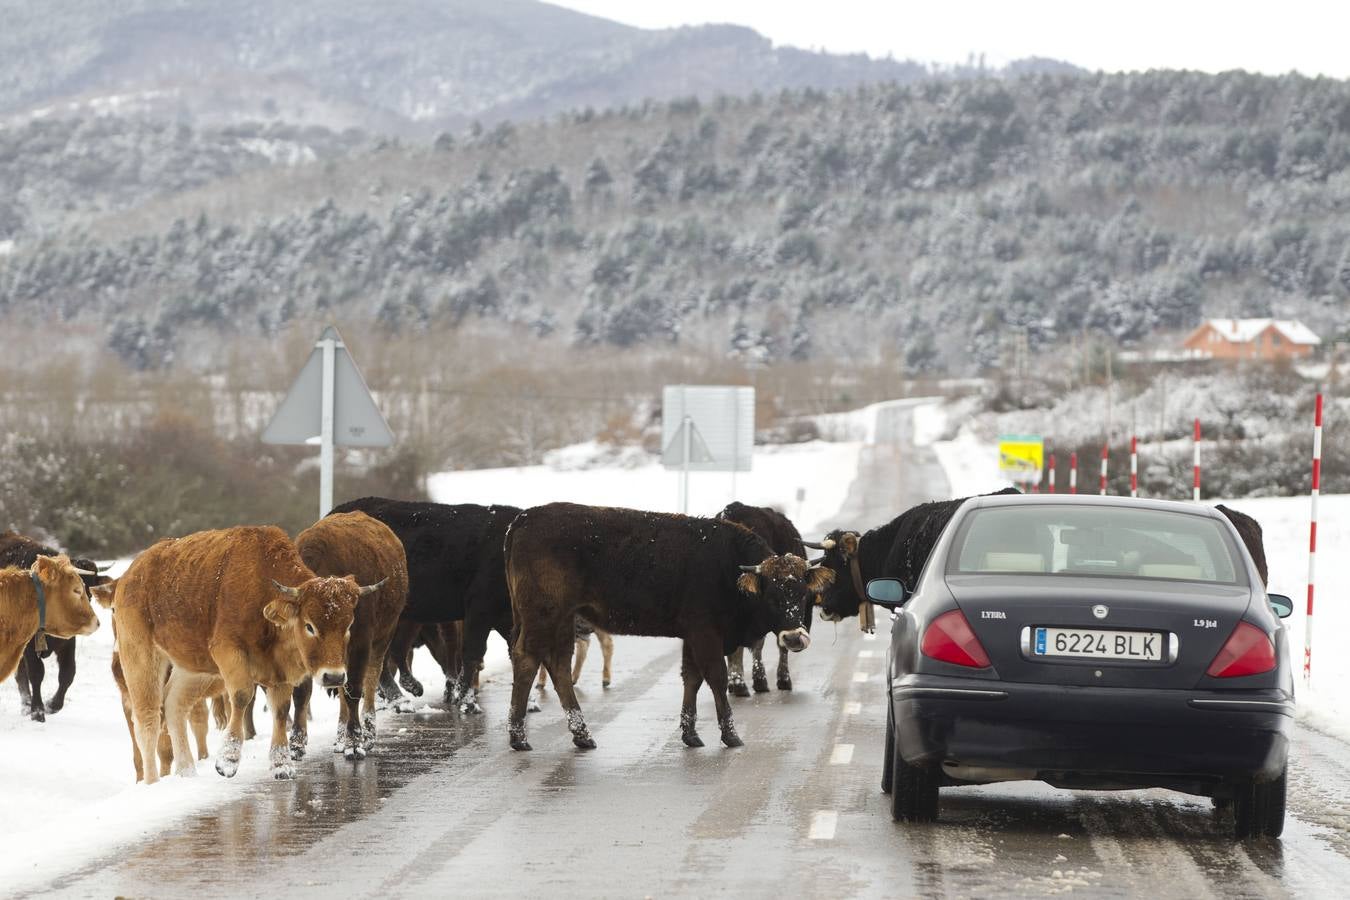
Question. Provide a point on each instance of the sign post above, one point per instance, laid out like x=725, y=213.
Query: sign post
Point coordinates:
x=706, y=428
x=328, y=404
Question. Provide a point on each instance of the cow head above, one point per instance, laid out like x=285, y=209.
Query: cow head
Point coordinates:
x=789, y=585
x=841, y=552
x=69, y=612
x=319, y=614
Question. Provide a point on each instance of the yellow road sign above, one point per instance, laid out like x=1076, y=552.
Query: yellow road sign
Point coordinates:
x=1023, y=454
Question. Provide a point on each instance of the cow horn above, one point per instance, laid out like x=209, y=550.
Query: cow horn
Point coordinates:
x=828, y=544
x=288, y=591
x=815, y=562
x=754, y=569
x=85, y=572
x=814, y=545
x=371, y=588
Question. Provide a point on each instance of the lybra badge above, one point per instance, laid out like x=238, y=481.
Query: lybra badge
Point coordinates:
x=1100, y=611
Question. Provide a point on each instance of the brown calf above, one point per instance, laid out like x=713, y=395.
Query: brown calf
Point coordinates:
x=68, y=612
x=355, y=544
x=237, y=608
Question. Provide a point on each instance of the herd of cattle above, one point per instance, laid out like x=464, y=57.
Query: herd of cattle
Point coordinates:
x=202, y=621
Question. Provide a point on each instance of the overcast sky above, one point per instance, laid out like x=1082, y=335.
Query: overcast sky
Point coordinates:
x=1275, y=36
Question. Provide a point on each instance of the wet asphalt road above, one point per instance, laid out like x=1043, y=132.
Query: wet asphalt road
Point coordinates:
x=448, y=808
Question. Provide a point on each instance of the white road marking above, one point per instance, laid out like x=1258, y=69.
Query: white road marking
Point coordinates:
x=860, y=676
x=823, y=823
x=864, y=654
x=852, y=709
x=842, y=755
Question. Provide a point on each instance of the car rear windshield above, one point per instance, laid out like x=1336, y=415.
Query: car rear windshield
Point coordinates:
x=1104, y=541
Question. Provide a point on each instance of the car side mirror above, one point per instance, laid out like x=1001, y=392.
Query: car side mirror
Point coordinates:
x=1283, y=606
x=887, y=592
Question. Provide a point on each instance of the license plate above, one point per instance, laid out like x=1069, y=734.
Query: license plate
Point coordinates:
x=1092, y=643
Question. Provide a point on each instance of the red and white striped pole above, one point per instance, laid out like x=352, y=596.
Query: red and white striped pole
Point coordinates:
x=1106, y=456
x=1312, y=538
x=1073, y=473
x=1195, y=495
x=1052, y=473
x=1134, y=466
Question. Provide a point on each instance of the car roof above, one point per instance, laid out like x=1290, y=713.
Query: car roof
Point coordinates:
x=1094, y=500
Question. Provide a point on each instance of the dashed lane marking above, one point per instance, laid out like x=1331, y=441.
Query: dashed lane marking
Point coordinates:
x=860, y=676
x=823, y=823
x=864, y=654
x=852, y=708
x=842, y=755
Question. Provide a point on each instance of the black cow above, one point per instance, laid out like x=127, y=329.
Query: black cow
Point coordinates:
x=783, y=537
x=1250, y=531
x=897, y=549
x=17, y=550
x=455, y=571
x=714, y=584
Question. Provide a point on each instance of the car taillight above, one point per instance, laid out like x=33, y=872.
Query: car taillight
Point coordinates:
x=1248, y=651
x=949, y=638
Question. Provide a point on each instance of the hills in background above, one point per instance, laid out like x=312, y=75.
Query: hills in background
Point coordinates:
x=403, y=66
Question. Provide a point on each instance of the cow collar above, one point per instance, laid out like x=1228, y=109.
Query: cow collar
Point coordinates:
x=41, y=640
x=866, y=619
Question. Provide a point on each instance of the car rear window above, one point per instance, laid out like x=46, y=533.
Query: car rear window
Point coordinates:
x=1048, y=539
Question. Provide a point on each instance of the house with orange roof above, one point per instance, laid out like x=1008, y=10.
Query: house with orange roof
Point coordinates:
x=1265, y=339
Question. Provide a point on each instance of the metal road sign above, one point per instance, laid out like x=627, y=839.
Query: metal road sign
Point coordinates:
x=1021, y=454
x=329, y=404
x=724, y=416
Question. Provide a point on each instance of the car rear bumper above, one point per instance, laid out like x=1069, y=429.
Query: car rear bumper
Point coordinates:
x=1094, y=737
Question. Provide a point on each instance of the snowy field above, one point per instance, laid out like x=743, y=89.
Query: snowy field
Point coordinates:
x=74, y=773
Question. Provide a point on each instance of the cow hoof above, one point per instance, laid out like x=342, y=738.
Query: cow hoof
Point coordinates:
x=298, y=744
x=354, y=752
x=471, y=707
x=339, y=746
x=761, y=685
x=739, y=690
x=784, y=683
x=520, y=744
x=37, y=714
x=584, y=741
x=55, y=706
x=731, y=739
x=411, y=685
x=227, y=768
x=283, y=773
x=405, y=706
x=691, y=739
x=533, y=706
x=605, y=683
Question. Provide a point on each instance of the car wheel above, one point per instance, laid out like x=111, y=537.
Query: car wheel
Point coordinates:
x=888, y=758
x=914, y=790
x=1258, y=808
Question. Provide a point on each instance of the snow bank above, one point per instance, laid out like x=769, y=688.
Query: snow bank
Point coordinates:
x=820, y=471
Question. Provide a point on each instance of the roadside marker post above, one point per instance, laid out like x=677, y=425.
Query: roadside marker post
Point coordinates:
x=1052, y=473
x=1134, y=465
x=1073, y=472
x=1106, y=458
x=1195, y=490
x=1312, y=538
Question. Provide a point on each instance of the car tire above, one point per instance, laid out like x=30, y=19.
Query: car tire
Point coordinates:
x=1258, y=808
x=914, y=790
x=888, y=758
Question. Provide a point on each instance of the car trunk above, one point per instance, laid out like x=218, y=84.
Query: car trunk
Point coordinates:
x=1201, y=616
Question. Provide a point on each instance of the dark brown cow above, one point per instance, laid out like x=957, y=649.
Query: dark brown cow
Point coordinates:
x=713, y=584
x=780, y=534
x=1250, y=531
x=355, y=544
x=67, y=609
x=237, y=608
x=21, y=551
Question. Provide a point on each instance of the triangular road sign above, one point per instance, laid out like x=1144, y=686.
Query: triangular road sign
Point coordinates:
x=673, y=455
x=357, y=421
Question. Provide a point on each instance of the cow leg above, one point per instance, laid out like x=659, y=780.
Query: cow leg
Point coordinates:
x=736, y=673
x=404, y=638
x=452, y=664
x=232, y=663
x=358, y=657
x=65, y=662
x=20, y=679
x=250, y=731
x=693, y=679
x=145, y=687
x=713, y=666
x=182, y=694
x=758, y=677
x=220, y=711
x=523, y=669
x=279, y=698
x=389, y=689
x=607, y=655
x=301, y=695
x=471, y=661
x=559, y=669
x=201, y=722
x=372, y=681
x=121, y=681
x=784, y=676
x=581, y=647
x=36, y=669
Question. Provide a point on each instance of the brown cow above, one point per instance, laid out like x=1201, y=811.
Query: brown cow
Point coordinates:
x=355, y=544
x=67, y=610
x=237, y=608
